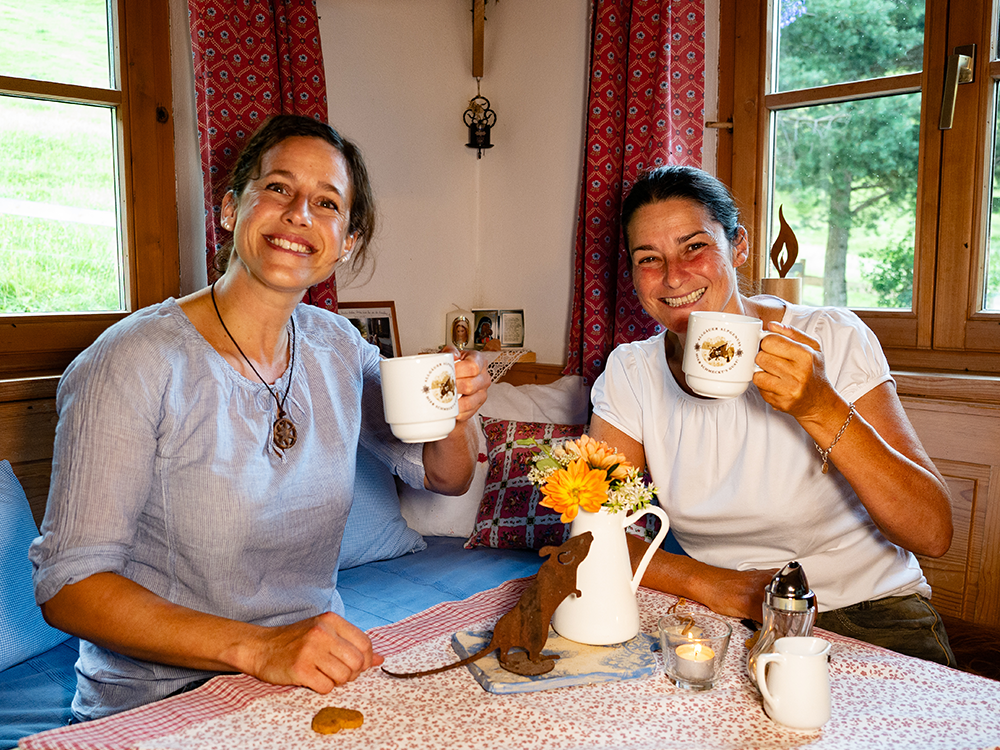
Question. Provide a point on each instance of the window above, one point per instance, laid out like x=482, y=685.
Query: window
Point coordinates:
x=839, y=124
x=88, y=228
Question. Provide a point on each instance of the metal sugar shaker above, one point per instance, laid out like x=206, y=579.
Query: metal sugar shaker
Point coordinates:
x=789, y=610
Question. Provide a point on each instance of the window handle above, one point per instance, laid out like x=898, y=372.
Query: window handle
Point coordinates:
x=960, y=70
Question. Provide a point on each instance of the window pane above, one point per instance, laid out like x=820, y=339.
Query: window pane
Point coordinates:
x=991, y=299
x=59, y=242
x=822, y=42
x=65, y=41
x=846, y=175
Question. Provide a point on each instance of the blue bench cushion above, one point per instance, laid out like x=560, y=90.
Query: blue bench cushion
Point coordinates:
x=35, y=695
x=376, y=529
x=23, y=632
x=384, y=592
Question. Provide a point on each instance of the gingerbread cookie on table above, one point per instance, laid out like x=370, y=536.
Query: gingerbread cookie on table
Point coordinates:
x=331, y=720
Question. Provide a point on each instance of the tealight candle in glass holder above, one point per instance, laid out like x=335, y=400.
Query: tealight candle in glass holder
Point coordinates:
x=694, y=647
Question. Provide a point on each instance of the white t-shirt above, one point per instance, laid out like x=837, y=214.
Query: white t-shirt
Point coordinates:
x=742, y=484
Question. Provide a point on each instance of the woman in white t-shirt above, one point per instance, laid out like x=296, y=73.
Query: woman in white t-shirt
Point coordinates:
x=743, y=480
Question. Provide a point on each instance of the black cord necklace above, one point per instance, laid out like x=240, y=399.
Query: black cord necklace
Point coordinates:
x=283, y=431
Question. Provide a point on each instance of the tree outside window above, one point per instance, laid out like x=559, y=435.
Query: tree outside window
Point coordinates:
x=846, y=172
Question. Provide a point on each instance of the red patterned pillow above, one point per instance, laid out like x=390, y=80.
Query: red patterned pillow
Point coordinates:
x=509, y=515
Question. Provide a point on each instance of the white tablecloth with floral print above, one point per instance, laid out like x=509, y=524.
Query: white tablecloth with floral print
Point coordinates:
x=880, y=700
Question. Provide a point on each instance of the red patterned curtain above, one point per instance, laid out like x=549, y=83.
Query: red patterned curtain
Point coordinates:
x=645, y=109
x=252, y=59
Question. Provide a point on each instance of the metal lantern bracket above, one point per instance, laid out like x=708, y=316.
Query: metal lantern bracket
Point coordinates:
x=480, y=118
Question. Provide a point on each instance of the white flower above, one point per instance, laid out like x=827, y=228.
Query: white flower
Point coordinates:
x=629, y=494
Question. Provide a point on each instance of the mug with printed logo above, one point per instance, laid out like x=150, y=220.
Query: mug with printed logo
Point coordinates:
x=420, y=396
x=719, y=353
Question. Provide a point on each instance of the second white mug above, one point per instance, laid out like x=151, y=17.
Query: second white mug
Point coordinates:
x=719, y=353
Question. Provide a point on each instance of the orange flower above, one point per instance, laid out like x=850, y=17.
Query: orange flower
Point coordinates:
x=600, y=455
x=577, y=486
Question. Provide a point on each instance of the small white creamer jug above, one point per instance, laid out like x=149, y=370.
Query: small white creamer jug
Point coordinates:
x=794, y=681
x=606, y=611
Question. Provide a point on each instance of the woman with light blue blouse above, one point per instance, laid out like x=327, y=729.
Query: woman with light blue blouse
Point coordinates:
x=205, y=452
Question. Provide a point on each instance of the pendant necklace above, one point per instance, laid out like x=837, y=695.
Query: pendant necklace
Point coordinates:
x=283, y=431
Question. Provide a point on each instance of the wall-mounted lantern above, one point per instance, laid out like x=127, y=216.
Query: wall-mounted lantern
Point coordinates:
x=480, y=118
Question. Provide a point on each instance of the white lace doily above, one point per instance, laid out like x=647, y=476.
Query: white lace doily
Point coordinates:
x=497, y=363
x=500, y=362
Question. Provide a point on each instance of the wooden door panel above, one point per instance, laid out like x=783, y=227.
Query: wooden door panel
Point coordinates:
x=964, y=441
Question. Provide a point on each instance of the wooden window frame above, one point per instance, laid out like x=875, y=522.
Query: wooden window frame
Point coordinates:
x=944, y=332
x=41, y=344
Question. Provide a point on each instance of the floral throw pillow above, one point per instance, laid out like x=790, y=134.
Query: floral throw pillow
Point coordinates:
x=509, y=515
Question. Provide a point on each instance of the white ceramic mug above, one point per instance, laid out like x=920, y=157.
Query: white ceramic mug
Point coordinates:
x=420, y=396
x=794, y=681
x=719, y=353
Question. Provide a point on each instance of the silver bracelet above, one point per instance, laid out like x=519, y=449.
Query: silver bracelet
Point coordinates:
x=825, y=454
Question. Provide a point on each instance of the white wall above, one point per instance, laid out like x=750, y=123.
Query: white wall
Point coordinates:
x=497, y=232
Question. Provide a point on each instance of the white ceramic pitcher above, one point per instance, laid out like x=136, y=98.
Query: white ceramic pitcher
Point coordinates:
x=606, y=611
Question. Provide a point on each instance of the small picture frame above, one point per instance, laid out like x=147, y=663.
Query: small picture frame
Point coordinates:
x=377, y=323
x=485, y=327
x=511, y=329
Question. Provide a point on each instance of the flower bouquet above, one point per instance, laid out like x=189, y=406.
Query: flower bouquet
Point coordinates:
x=587, y=474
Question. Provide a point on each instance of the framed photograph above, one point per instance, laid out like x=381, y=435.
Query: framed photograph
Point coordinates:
x=377, y=323
x=512, y=329
x=485, y=327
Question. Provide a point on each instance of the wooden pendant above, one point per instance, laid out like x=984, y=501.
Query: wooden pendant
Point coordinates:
x=284, y=432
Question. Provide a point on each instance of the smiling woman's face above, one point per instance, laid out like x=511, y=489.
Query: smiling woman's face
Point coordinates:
x=291, y=222
x=682, y=261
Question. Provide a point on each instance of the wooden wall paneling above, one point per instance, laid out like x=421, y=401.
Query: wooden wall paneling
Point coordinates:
x=532, y=373
x=951, y=362
x=963, y=439
x=954, y=577
x=27, y=433
x=28, y=429
x=952, y=387
x=35, y=477
x=988, y=601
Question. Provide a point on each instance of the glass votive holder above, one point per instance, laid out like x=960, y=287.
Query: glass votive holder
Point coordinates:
x=694, y=647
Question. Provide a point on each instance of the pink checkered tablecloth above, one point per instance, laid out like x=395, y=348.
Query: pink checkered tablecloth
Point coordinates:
x=880, y=700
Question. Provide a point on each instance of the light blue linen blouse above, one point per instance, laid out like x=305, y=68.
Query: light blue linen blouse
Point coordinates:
x=164, y=472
